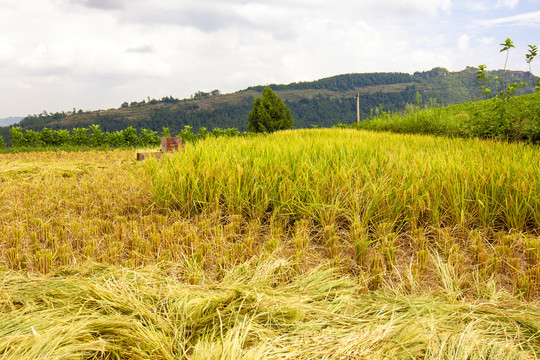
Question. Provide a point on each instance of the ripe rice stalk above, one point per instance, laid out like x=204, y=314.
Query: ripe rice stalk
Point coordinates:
x=261, y=309
x=104, y=206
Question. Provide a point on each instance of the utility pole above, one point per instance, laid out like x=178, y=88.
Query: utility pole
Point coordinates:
x=357, y=107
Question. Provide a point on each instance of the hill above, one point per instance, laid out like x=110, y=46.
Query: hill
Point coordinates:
x=322, y=103
x=10, y=120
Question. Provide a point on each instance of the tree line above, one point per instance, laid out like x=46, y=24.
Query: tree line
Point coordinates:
x=321, y=103
x=95, y=137
x=268, y=114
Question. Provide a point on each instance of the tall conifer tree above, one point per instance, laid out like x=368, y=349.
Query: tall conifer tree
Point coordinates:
x=269, y=113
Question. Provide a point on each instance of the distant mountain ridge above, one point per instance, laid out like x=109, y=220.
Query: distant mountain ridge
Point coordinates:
x=322, y=103
x=10, y=120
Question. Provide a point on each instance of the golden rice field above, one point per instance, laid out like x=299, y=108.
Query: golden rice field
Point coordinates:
x=307, y=244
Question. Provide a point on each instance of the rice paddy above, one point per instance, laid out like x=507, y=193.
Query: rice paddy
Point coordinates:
x=301, y=244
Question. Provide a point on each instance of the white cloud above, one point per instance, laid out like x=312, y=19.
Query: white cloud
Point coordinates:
x=101, y=4
x=507, y=3
x=486, y=5
x=99, y=53
x=6, y=52
x=408, y=7
x=142, y=48
x=463, y=42
x=526, y=19
x=487, y=40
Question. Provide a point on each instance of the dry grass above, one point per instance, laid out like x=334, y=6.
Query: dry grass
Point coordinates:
x=259, y=310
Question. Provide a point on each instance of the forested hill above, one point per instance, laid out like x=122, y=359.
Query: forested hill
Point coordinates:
x=322, y=103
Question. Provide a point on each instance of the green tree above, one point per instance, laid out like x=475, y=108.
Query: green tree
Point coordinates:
x=17, y=137
x=98, y=138
x=61, y=137
x=149, y=138
x=47, y=136
x=187, y=134
x=2, y=143
x=130, y=136
x=80, y=137
x=115, y=139
x=269, y=113
x=32, y=138
x=166, y=132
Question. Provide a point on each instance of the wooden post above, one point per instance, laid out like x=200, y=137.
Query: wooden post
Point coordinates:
x=144, y=156
x=357, y=107
x=168, y=145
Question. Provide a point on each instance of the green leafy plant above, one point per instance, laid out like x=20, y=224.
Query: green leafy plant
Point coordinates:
x=502, y=124
x=129, y=136
x=17, y=137
x=533, y=52
x=149, y=138
x=80, y=137
x=187, y=134
x=98, y=137
x=506, y=90
x=506, y=46
x=166, y=132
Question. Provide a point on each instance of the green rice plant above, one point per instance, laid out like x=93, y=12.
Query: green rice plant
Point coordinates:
x=446, y=242
x=534, y=276
x=527, y=283
x=376, y=268
x=450, y=277
x=313, y=174
x=384, y=201
x=301, y=237
x=64, y=255
x=478, y=249
x=420, y=243
x=422, y=257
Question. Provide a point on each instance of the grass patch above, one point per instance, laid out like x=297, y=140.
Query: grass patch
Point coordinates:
x=518, y=120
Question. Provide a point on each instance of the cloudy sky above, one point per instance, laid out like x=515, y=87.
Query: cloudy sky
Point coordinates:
x=57, y=55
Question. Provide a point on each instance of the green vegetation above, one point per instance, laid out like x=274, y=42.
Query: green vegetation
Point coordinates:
x=343, y=178
x=479, y=119
x=83, y=137
x=503, y=117
x=323, y=103
x=94, y=137
x=269, y=114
